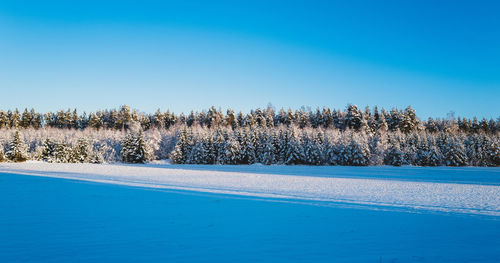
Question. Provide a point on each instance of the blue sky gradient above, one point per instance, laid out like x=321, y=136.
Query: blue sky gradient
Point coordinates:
x=438, y=56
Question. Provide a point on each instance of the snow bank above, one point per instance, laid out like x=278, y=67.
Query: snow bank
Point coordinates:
x=375, y=187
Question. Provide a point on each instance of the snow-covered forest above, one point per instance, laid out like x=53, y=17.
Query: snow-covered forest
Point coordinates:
x=321, y=137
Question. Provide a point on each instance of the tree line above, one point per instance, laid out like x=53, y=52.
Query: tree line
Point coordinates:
x=284, y=145
x=301, y=137
x=352, y=118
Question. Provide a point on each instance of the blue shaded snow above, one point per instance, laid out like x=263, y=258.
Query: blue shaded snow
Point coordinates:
x=56, y=220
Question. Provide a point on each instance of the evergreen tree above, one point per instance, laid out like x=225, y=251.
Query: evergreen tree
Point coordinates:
x=266, y=149
x=355, y=154
x=134, y=148
x=394, y=156
x=15, y=119
x=4, y=120
x=232, y=151
x=269, y=115
x=48, y=151
x=200, y=152
x=26, y=118
x=231, y=119
x=62, y=152
x=312, y=150
x=95, y=120
x=455, y=154
x=247, y=147
x=182, y=148
x=16, y=151
x=394, y=120
x=431, y=126
x=294, y=150
x=353, y=118
x=81, y=152
x=409, y=121
x=158, y=119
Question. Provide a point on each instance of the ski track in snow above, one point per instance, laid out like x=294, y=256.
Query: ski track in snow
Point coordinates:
x=466, y=198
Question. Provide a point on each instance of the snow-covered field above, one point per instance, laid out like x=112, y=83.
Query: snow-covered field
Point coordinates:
x=458, y=190
x=247, y=213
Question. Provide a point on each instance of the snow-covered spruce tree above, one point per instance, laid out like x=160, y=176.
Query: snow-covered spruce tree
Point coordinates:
x=182, y=148
x=99, y=153
x=409, y=121
x=247, y=141
x=232, y=151
x=434, y=157
x=81, y=152
x=377, y=145
x=16, y=150
x=394, y=156
x=333, y=153
x=313, y=151
x=212, y=147
x=219, y=142
x=294, y=152
x=200, y=150
x=62, y=152
x=455, y=154
x=135, y=149
x=266, y=149
x=353, y=118
x=48, y=149
x=355, y=154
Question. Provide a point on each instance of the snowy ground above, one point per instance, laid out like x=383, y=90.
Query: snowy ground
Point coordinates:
x=52, y=220
x=456, y=190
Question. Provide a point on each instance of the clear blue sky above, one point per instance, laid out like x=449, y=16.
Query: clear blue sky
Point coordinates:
x=438, y=56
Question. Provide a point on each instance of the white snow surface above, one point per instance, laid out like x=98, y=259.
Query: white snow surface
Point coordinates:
x=372, y=187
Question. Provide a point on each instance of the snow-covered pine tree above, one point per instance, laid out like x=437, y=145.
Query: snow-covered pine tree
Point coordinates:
x=269, y=115
x=199, y=152
x=15, y=118
x=409, y=121
x=394, y=156
x=355, y=154
x=294, y=151
x=232, y=151
x=247, y=147
x=231, y=120
x=377, y=146
x=219, y=143
x=435, y=157
x=394, y=120
x=266, y=149
x=181, y=150
x=135, y=149
x=312, y=146
x=62, y=152
x=333, y=153
x=48, y=149
x=26, y=118
x=208, y=144
x=81, y=152
x=95, y=121
x=16, y=150
x=101, y=153
x=455, y=154
x=353, y=118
